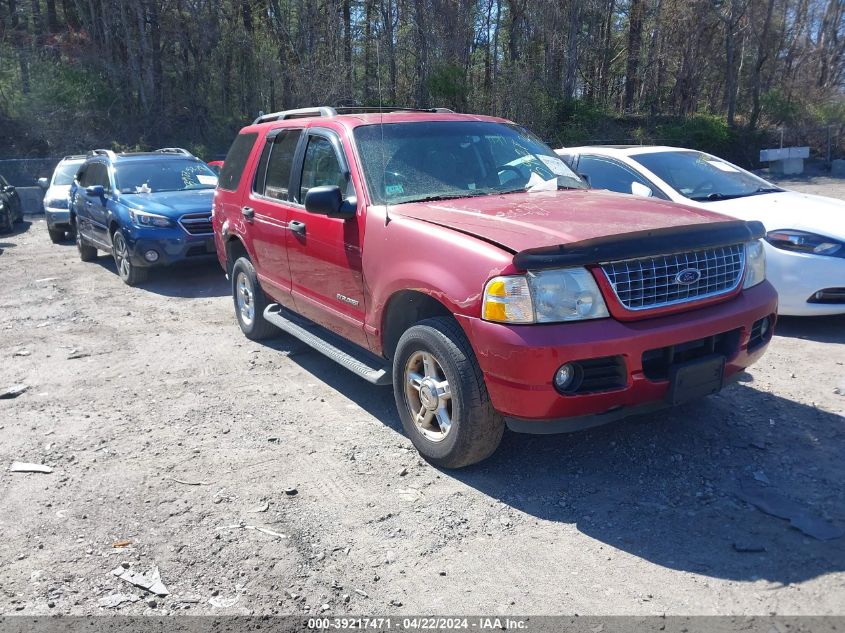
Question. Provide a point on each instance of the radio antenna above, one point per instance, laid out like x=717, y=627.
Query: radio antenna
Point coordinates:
x=381, y=128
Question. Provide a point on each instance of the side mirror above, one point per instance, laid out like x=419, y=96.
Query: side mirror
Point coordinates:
x=326, y=200
x=43, y=183
x=95, y=191
x=585, y=178
x=639, y=189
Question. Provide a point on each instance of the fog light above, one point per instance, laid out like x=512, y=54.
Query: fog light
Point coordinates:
x=565, y=377
x=151, y=256
x=764, y=327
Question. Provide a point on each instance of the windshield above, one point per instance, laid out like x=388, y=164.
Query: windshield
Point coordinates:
x=151, y=176
x=434, y=160
x=65, y=173
x=702, y=177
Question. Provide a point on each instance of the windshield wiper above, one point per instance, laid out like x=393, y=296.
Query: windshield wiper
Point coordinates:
x=447, y=196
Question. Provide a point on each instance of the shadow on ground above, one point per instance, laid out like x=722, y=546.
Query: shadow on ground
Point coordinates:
x=190, y=281
x=673, y=488
x=823, y=329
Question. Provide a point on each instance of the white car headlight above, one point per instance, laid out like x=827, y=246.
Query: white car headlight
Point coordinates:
x=546, y=296
x=755, y=264
x=142, y=218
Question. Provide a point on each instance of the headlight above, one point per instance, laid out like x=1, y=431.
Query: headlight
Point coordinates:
x=142, y=218
x=803, y=242
x=56, y=203
x=755, y=264
x=548, y=296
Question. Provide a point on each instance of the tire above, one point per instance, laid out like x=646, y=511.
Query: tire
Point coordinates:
x=129, y=273
x=6, y=225
x=250, y=301
x=56, y=235
x=475, y=429
x=87, y=253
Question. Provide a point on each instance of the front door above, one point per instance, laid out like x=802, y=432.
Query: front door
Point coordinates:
x=325, y=253
x=92, y=217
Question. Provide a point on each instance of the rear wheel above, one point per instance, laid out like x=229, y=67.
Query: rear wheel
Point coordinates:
x=441, y=396
x=87, y=253
x=131, y=274
x=56, y=235
x=250, y=301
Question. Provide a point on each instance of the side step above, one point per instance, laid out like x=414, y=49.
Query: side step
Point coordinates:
x=356, y=359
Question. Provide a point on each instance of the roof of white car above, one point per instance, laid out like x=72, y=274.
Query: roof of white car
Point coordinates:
x=622, y=150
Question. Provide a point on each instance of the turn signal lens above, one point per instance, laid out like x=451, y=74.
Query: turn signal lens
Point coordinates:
x=755, y=263
x=508, y=300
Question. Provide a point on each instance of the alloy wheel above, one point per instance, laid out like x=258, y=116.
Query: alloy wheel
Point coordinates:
x=428, y=396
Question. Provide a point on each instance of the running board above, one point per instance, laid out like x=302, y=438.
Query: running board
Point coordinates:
x=356, y=359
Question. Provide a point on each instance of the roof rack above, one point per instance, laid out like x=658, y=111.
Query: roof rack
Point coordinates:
x=326, y=111
x=174, y=150
x=102, y=152
x=74, y=157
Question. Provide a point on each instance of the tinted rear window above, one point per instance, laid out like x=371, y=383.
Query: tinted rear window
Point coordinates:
x=233, y=166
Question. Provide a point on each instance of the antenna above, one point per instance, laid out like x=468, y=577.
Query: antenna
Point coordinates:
x=381, y=127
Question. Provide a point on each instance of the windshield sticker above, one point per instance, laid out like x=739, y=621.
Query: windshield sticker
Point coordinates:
x=145, y=188
x=722, y=166
x=394, y=190
x=207, y=180
x=536, y=183
x=557, y=166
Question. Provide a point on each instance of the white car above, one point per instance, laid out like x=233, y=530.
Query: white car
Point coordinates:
x=56, y=193
x=805, y=240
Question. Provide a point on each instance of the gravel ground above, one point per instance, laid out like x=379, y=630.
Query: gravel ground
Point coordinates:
x=166, y=428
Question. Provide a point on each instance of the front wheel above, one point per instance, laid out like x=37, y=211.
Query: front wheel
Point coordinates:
x=441, y=396
x=56, y=235
x=131, y=274
x=250, y=301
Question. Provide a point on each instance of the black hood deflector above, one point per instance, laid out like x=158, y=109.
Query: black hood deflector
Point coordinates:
x=639, y=244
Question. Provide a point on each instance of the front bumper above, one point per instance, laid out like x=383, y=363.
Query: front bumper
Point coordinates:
x=57, y=218
x=519, y=362
x=798, y=276
x=173, y=245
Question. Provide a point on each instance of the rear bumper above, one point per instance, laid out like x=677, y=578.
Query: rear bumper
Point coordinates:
x=172, y=245
x=519, y=362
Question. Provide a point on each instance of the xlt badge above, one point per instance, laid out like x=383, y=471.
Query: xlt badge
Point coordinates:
x=345, y=299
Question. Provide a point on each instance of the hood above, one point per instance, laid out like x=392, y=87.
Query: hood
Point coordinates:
x=521, y=221
x=171, y=204
x=789, y=210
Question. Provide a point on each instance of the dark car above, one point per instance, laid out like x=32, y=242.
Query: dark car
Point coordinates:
x=147, y=209
x=10, y=206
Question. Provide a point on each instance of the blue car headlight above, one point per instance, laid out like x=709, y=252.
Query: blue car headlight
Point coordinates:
x=144, y=219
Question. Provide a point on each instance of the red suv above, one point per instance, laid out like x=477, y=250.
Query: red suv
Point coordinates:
x=458, y=258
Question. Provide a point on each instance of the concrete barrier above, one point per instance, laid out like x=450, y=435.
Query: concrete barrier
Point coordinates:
x=32, y=199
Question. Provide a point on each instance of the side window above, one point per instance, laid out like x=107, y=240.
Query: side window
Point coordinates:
x=608, y=174
x=95, y=174
x=320, y=167
x=280, y=163
x=233, y=166
x=82, y=176
x=102, y=177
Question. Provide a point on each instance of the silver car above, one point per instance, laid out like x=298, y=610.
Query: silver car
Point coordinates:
x=56, y=196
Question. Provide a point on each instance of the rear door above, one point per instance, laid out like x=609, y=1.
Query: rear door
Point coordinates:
x=270, y=205
x=325, y=253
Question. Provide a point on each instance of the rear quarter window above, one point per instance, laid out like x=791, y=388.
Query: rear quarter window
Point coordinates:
x=233, y=166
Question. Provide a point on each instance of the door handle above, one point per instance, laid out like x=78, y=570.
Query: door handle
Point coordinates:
x=248, y=213
x=297, y=227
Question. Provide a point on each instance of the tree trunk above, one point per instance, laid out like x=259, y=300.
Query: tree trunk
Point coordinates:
x=635, y=36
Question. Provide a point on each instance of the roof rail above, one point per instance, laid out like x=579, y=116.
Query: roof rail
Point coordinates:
x=174, y=150
x=74, y=157
x=325, y=111
x=102, y=152
x=299, y=113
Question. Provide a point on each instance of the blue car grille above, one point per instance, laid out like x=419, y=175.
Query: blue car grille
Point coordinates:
x=196, y=223
x=654, y=282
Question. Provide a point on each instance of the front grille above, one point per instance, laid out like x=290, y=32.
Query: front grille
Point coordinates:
x=654, y=282
x=196, y=223
x=657, y=362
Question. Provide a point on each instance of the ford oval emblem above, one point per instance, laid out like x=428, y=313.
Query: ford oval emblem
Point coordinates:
x=688, y=276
